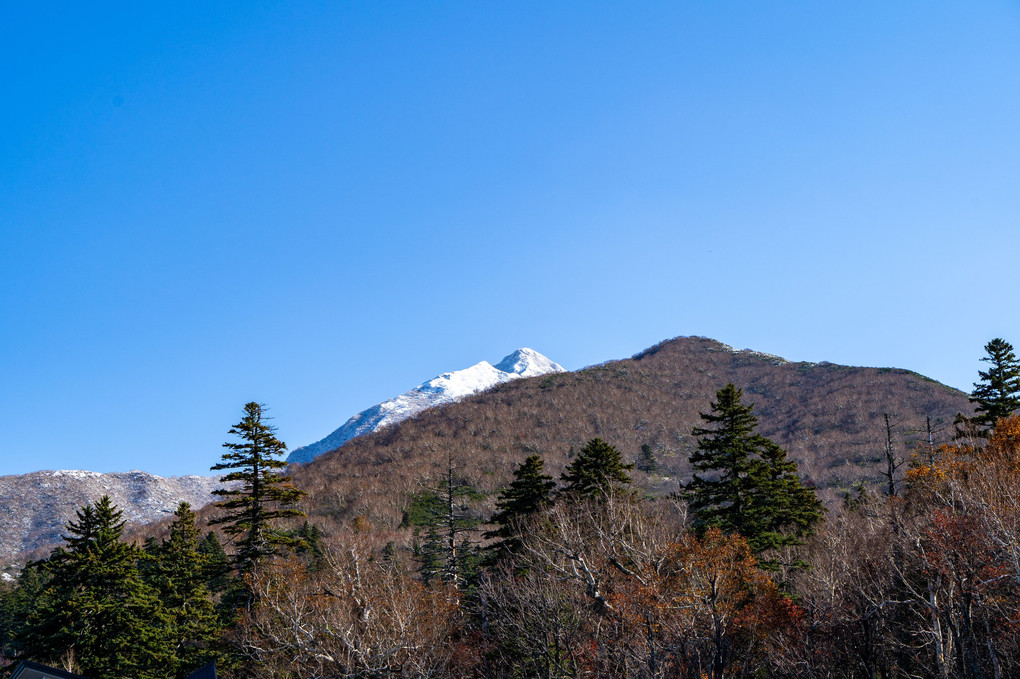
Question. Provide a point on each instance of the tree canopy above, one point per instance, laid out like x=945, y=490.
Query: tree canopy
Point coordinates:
x=997, y=394
x=529, y=493
x=598, y=469
x=97, y=614
x=743, y=482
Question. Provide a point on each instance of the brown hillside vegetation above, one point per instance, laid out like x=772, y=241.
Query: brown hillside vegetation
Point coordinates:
x=829, y=417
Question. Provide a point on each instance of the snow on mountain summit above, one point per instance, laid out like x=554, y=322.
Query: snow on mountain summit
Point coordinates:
x=445, y=388
x=528, y=363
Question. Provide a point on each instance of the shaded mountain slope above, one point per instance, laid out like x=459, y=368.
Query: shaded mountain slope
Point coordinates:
x=829, y=417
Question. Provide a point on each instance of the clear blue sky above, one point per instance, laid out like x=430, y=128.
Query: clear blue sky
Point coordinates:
x=320, y=205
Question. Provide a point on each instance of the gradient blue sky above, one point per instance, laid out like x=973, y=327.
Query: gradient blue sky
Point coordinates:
x=320, y=205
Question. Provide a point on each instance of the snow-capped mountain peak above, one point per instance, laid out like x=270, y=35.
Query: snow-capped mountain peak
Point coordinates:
x=528, y=363
x=445, y=388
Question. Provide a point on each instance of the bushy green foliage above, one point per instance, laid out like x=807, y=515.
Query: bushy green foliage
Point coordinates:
x=997, y=394
x=528, y=494
x=647, y=462
x=423, y=509
x=440, y=518
x=16, y=604
x=743, y=482
x=96, y=612
x=598, y=469
x=217, y=563
x=181, y=579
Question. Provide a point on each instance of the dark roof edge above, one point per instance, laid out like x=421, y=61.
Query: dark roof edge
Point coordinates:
x=29, y=665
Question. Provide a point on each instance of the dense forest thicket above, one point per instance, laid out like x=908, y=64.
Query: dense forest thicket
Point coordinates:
x=576, y=572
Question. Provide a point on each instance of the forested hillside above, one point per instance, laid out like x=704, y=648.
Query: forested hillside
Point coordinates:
x=829, y=417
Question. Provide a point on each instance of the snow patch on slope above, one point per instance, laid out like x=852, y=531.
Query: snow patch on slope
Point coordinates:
x=446, y=388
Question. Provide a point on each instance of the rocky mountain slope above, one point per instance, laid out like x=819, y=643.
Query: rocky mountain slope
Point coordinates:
x=34, y=507
x=829, y=417
x=446, y=388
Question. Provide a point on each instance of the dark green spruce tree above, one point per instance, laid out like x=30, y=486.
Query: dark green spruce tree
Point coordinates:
x=743, y=483
x=259, y=494
x=16, y=604
x=528, y=494
x=217, y=563
x=180, y=576
x=997, y=394
x=310, y=546
x=596, y=471
x=96, y=614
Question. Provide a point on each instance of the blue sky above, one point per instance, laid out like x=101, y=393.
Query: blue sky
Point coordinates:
x=320, y=205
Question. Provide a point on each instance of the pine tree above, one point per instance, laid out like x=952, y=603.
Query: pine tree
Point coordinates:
x=217, y=563
x=180, y=577
x=431, y=555
x=310, y=546
x=743, y=482
x=16, y=604
x=445, y=553
x=997, y=395
x=529, y=493
x=647, y=462
x=96, y=612
x=264, y=494
x=781, y=510
x=597, y=470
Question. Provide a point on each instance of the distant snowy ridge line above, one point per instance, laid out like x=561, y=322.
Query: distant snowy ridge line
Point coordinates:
x=445, y=388
x=46, y=500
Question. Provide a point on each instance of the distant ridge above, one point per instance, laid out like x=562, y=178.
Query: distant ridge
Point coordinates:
x=445, y=388
x=37, y=505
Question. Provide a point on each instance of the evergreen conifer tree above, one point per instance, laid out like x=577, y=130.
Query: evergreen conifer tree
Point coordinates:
x=444, y=551
x=431, y=555
x=743, y=482
x=310, y=536
x=529, y=493
x=598, y=469
x=217, y=563
x=647, y=462
x=264, y=494
x=96, y=610
x=180, y=577
x=16, y=604
x=997, y=395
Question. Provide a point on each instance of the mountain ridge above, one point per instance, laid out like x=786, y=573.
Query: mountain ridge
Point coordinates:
x=44, y=501
x=445, y=388
x=828, y=416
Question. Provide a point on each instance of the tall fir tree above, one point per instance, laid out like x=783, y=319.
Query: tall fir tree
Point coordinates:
x=597, y=470
x=743, y=482
x=997, y=394
x=180, y=576
x=528, y=494
x=263, y=494
x=96, y=613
